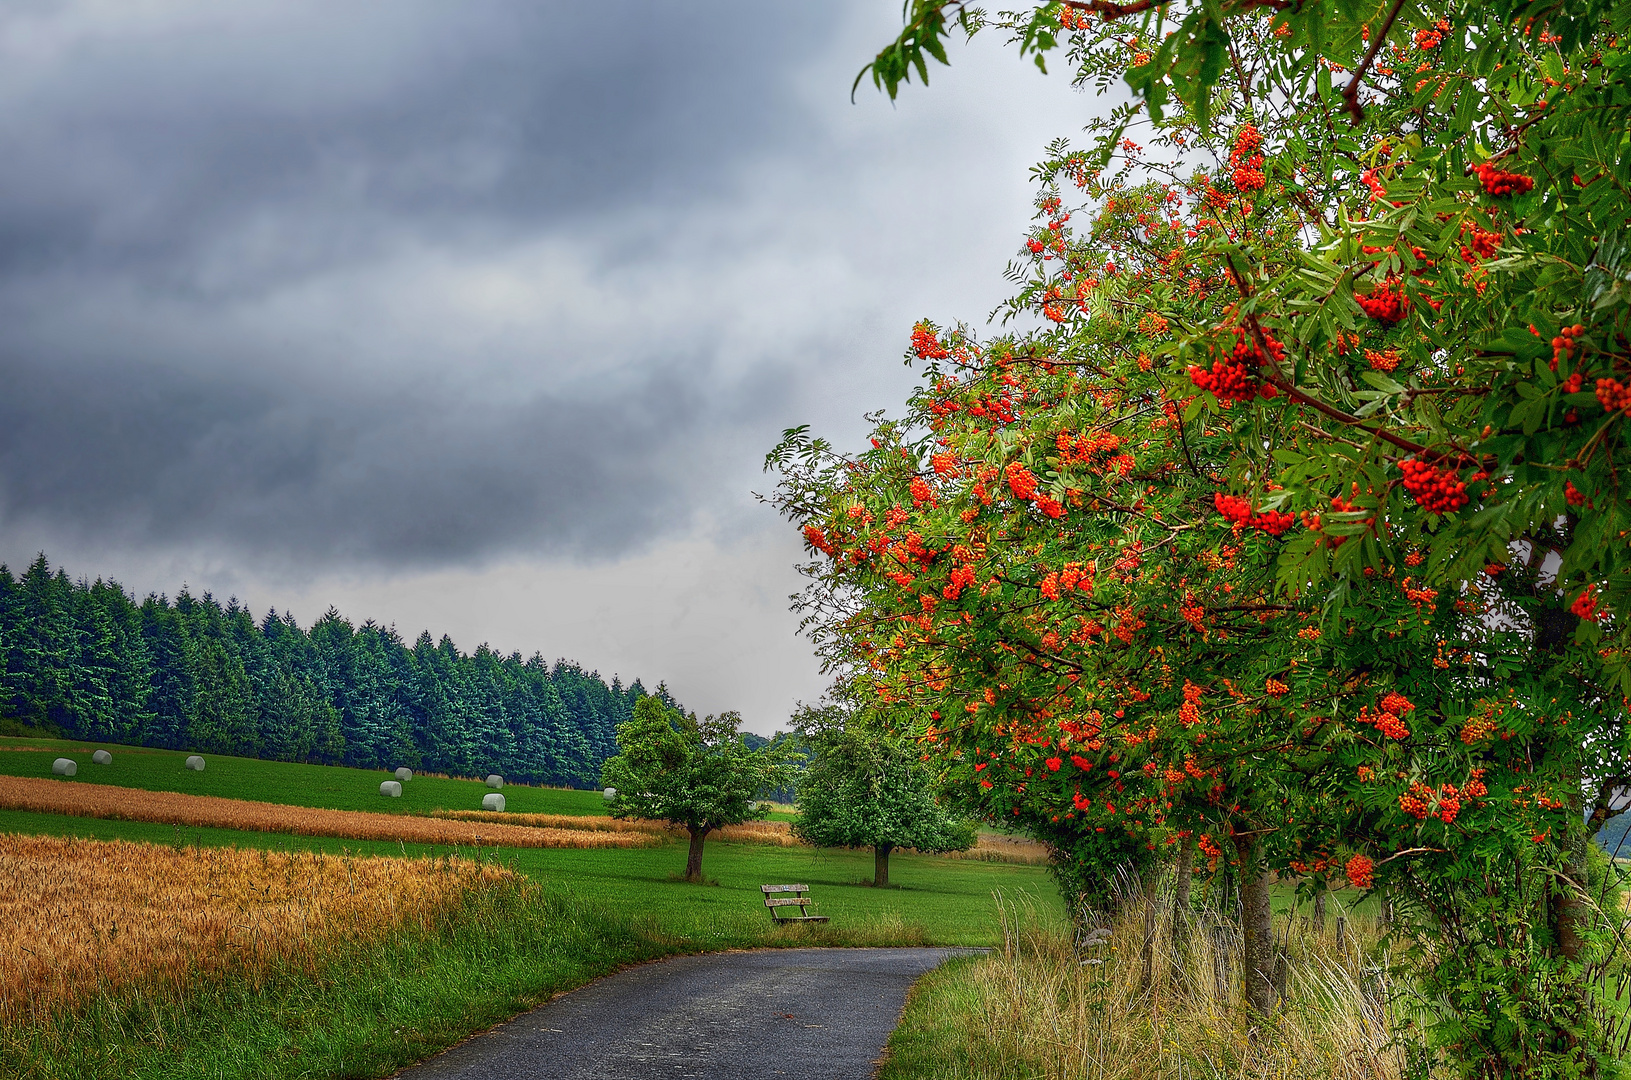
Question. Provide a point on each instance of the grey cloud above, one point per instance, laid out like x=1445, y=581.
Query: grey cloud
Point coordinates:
x=340, y=125
x=165, y=165
x=153, y=457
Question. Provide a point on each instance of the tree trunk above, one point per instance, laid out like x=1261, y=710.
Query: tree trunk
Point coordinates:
x=880, y=865
x=693, y=860
x=1319, y=911
x=1146, y=959
x=1571, y=914
x=1257, y=928
x=1179, y=953
x=1186, y=874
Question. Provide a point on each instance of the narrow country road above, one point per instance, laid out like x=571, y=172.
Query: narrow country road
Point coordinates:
x=805, y=1014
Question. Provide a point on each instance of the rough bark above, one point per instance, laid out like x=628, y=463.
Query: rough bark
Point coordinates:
x=1186, y=874
x=1571, y=914
x=1179, y=953
x=880, y=865
x=693, y=859
x=1319, y=911
x=1257, y=929
x=1146, y=959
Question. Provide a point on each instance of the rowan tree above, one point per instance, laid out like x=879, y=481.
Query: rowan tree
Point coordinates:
x=1416, y=728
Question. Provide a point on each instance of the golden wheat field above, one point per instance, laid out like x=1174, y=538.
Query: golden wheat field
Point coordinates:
x=85, y=917
x=174, y=808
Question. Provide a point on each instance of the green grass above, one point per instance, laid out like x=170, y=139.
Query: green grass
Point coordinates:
x=934, y=1026
x=290, y=783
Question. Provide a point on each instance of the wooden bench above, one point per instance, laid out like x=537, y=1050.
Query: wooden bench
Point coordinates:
x=800, y=899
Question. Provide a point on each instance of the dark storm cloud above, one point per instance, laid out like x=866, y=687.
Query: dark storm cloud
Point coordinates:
x=200, y=156
x=158, y=457
x=135, y=148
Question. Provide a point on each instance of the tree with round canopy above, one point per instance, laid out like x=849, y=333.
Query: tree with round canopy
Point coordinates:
x=697, y=774
x=868, y=788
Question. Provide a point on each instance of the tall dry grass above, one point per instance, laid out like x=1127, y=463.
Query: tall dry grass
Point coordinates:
x=87, y=918
x=1018, y=850
x=1129, y=1002
x=209, y=811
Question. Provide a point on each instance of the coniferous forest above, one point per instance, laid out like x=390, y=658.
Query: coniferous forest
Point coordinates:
x=86, y=660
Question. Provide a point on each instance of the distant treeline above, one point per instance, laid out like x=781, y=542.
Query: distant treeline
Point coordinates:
x=87, y=661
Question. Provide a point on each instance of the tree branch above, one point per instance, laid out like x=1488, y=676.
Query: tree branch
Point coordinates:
x=1350, y=93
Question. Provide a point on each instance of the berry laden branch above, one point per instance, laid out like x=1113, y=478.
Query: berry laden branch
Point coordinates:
x=1284, y=385
x=1350, y=93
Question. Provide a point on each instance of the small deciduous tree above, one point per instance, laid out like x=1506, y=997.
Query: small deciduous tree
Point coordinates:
x=868, y=789
x=697, y=774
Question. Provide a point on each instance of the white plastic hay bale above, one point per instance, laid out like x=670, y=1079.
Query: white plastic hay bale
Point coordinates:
x=610, y=794
x=492, y=801
x=64, y=766
x=195, y=763
x=404, y=774
x=391, y=788
x=495, y=781
x=102, y=757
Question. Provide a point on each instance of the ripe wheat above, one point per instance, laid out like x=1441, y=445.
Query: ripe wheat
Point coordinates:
x=79, y=918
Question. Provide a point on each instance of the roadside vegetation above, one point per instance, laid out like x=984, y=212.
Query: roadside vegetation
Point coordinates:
x=1133, y=1000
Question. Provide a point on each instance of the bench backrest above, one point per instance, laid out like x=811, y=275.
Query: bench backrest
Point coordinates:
x=801, y=899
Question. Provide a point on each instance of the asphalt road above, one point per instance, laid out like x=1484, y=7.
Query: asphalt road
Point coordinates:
x=804, y=1014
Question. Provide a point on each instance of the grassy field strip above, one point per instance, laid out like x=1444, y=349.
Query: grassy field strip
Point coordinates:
x=173, y=808
x=777, y=833
x=583, y=822
x=89, y=917
x=297, y=784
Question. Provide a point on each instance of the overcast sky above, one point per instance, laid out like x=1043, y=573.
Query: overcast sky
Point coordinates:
x=478, y=317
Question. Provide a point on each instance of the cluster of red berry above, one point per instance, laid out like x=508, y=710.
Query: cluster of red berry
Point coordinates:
x=1443, y=802
x=818, y=540
x=1498, y=182
x=926, y=345
x=1239, y=512
x=1387, y=723
x=1385, y=302
x=1573, y=495
x=1438, y=491
x=1386, y=360
x=1613, y=395
x=1563, y=345
x=1359, y=871
x=1585, y=605
x=1021, y=481
x=1483, y=244
x=1234, y=377
x=1245, y=160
